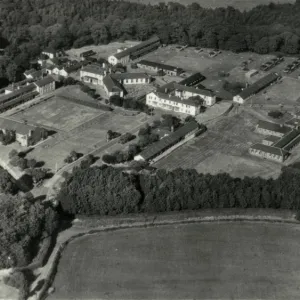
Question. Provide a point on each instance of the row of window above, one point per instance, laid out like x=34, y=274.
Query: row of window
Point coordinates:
x=134, y=80
x=171, y=102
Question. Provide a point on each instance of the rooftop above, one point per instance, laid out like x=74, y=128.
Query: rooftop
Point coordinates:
x=133, y=49
x=194, y=90
x=49, y=50
x=287, y=138
x=258, y=85
x=94, y=69
x=44, y=81
x=272, y=138
x=19, y=127
x=112, y=84
x=159, y=65
x=177, y=99
x=121, y=76
x=269, y=149
x=168, y=141
x=23, y=90
x=191, y=79
x=273, y=127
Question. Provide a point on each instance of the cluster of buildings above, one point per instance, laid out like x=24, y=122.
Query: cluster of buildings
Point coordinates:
x=279, y=141
x=182, y=97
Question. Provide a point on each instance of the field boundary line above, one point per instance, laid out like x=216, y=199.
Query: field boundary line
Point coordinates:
x=151, y=222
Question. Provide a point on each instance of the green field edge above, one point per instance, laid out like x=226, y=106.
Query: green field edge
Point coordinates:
x=179, y=218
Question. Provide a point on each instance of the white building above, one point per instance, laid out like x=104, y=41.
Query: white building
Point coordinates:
x=92, y=74
x=251, y=73
x=186, y=92
x=132, y=78
x=134, y=52
x=112, y=86
x=169, y=102
x=50, y=53
x=45, y=85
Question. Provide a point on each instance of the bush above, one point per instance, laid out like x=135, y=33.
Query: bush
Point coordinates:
x=109, y=159
x=276, y=114
x=126, y=138
x=8, y=137
x=233, y=87
x=12, y=153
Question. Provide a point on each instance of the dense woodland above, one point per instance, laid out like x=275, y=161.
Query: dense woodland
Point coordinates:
x=28, y=26
x=108, y=191
x=23, y=225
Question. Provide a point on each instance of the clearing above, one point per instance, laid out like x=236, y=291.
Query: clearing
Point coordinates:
x=196, y=261
x=223, y=148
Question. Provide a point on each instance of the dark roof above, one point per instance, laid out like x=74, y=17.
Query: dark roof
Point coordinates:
x=293, y=122
x=37, y=74
x=133, y=49
x=16, y=126
x=272, y=138
x=112, y=84
x=269, y=149
x=159, y=65
x=273, y=127
x=168, y=141
x=287, y=138
x=170, y=86
x=72, y=68
x=191, y=79
x=29, y=71
x=44, y=81
x=129, y=76
x=258, y=85
x=23, y=90
x=194, y=90
x=94, y=69
x=87, y=53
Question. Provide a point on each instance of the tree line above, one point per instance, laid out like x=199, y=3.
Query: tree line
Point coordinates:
x=109, y=191
x=27, y=27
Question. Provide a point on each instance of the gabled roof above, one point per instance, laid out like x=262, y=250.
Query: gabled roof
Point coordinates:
x=19, y=127
x=87, y=53
x=49, y=50
x=272, y=138
x=159, y=65
x=269, y=149
x=112, y=84
x=133, y=49
x=191, y=79
x=44, y=81
x=176, y=99
x=122, y=76
x=168, y=141
x=287, y=138
x=168, y=87
x=22, y=90
x=258, y=85
x=194, y=90
x=93, y=69
x=273, y=127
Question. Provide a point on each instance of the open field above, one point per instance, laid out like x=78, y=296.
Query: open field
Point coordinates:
x=239, y=4
x=58, y=113
x=223, y=148
x=79, y=128
x=195, y=261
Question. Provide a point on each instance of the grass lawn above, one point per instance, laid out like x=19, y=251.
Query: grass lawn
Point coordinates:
x=223, y=148
x=196, y=261
x=58, y=113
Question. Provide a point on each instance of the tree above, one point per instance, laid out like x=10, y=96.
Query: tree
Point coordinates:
x=22, y=163
x=12, y=153
x=276, y=114
x=31, y=163
x=6, y=183
x=11, y=72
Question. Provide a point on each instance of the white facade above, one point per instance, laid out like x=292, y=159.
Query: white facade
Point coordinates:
x=167, y=103
x=238, y=99
x=136, y=80
x=109, y=94
x=50, y=54
x=209, y=100
x=114, y=60
x=91, y=77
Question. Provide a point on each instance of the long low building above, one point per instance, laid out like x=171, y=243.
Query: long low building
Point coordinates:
x=132, y=78
x=134, y=52
x=187, y=131
x=192, y=80
x=269, y=152
x=270, y=128
x=255, y=88
x=154, y=66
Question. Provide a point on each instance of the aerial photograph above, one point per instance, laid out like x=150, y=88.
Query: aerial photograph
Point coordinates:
x=149, y=150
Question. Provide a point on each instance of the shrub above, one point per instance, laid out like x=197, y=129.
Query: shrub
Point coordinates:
x=12, y=153
x=276, y=114
x=126, y=138
x=109, y=159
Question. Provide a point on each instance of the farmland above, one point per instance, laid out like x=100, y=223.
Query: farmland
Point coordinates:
x=196, y=261
x=239, y=4
x=223, y=148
